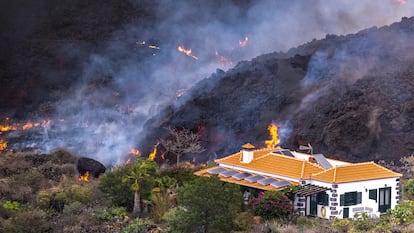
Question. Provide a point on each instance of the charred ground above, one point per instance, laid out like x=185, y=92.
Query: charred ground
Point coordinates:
x=350, y=97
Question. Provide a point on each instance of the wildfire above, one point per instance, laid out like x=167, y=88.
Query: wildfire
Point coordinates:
x=187, y=52
x=244, y=42
x=84, y=177
x=135, y=152
x=3, y=144
x=153, y=153
x=273, y=131
x=223, y=59
x=149, y=46
x=25, y=126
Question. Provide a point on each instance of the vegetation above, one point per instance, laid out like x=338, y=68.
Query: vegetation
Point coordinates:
x=43, y=194
x=181, y=142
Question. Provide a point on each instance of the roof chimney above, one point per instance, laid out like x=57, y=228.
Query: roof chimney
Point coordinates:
x=247, y=153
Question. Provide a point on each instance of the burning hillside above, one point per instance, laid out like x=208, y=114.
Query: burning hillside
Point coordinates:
x=349, y=96
x=72, y=78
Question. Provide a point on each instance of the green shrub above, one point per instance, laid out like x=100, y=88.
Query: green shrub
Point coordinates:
x=115, y=190
x=80, y=194
x=272, y=205
x=243, y=221
x=11, y=205
x=362, y=222
x=403, y=213
x=29, y=221
x=139, y=226
x=43, y=199
x=341, y=225
x=111, y=214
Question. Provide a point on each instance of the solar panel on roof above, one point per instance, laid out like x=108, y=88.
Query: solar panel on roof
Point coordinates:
x=216, y=170
x=284, y=152
x=322, y=161
x=228, y=173
x=280, y=183
x=266, y=181
x=241, y=175
x=254, y=178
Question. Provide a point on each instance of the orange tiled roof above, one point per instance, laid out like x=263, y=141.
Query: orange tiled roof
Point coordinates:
x=204, y=172
x=275, y=164
x=354, y=172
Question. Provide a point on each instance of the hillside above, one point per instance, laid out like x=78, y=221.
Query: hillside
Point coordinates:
x=349, y=96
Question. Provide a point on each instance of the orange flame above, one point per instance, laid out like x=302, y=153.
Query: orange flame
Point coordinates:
x=6, y=128
x=223, y=59
x=153, y=153
x=244, y=42
x=3, y=144
x=135, y=152
x=273, y=131
x=187, y=52
x=84, y=177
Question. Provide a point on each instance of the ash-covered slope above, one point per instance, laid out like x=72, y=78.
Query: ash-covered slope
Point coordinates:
x=350, y=96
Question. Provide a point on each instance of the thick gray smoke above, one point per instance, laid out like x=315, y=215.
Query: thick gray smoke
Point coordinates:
x=140, y=70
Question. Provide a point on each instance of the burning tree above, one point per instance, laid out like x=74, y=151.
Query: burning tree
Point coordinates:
x=181, y=142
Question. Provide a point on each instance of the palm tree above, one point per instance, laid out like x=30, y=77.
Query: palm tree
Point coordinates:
x=139, y=171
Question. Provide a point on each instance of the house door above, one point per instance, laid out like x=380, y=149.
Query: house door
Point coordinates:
x=384, y=202
x=346, y=212
x=313, y=205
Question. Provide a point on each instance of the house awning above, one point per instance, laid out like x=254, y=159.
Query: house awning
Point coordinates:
x=310, y=189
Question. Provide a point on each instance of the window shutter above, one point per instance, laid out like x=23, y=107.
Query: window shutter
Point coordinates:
x=342, y=199
x=359, y=198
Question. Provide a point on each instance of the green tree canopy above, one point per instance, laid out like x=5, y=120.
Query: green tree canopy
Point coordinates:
x=209, y=204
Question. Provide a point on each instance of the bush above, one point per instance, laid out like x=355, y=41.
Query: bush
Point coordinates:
x=114, y=189
x=43, y=199
x=362, y=222
x=403, y=213
x=140, y=226
x=202, y=202
x=341, y=225
x=272, y=205
x=243, y=221
x=11, y=205
x=111, y=214
x=28, y=221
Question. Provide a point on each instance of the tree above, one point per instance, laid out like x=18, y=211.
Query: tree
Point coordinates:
x=140, y=171
x=208, y=204
x=181, y=142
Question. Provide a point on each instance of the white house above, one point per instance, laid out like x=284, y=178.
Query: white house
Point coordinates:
x=329, y=188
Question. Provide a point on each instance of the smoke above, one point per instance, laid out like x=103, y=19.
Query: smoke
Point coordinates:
x=140, y=71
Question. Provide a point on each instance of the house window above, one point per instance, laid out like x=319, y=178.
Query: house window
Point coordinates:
x=350, y=198
x=373, y=194
x=322, y=198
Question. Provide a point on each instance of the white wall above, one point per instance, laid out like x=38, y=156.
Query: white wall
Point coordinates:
x=362, y=186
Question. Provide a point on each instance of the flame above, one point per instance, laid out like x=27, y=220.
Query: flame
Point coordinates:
x=400, y=2
x=3, y=144
x=273, y=131
x=135, y=152
x=187, y=52
x=244, y=42
x=6, y=128
x=153, y=153
x=25, y=126
x=163, y=155
x=223, y=59
x=153, y=47
x=84, y=177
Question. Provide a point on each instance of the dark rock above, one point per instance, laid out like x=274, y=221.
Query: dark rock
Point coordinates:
x=92, y=166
